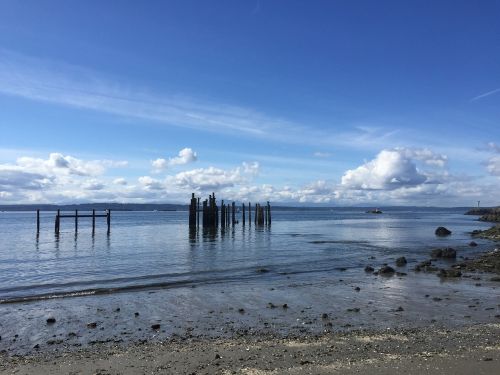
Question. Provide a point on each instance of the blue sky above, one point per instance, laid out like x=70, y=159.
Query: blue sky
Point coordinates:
x=327, y=102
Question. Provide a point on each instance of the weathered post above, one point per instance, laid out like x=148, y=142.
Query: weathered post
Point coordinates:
x=93, y=222
x=249, y=213
x=37, y=221
x=56, y=227
x=233, y=206
x=108, y=220
x=198, y=212
x=76, y=221
x=243, y=213
x=269, y=213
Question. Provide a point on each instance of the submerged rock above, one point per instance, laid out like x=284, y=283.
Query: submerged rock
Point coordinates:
x=472, y=244
x=369, y=269
x=51, y=320
x=447, y=252
x=442, y=231
x=449, y=273
x=401, y=262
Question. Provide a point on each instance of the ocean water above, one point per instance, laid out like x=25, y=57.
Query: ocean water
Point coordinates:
x=157, y=250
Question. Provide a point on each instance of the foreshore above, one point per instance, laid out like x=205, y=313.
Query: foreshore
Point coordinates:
x=357, y=320
x=471, y=349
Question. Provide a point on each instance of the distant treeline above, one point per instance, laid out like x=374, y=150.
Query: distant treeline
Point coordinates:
x=96, y=206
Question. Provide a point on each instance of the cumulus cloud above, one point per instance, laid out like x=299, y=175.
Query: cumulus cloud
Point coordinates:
x=391, y=169
x=59, y=164
x=493, y=166
x=150, y=183
x=120, y=181
x=185, y=156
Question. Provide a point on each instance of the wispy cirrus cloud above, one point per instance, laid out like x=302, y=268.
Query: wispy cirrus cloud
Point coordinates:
x=486, y=94
x=78, y=87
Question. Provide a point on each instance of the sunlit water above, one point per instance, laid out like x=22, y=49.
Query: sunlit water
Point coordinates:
x=157, y=250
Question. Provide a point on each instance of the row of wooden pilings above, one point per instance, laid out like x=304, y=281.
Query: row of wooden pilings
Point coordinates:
x=76, y=216
x=226, y=214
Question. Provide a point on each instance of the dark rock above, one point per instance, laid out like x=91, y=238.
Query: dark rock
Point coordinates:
x=51, y=320
x=442, y=231
x=262, y=270
x=324, y=316
x=386, y=270
x=217, y=356
x=285, y=306
x=357, y=289
x=401, y=274
x=241, y=311
x=271, y=305
x=136, y=314
x=447, y=252
x=117, y=310
x=91, y=325
x=449, y=273
x=472, y=244
x=369, y=269
x=401, y=262
x=495, y=278
x=155, y=326
x=400, y=309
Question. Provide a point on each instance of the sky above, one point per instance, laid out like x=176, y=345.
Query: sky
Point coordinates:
x=336, y=103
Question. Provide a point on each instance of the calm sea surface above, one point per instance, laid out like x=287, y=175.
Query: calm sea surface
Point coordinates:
x=151, y=250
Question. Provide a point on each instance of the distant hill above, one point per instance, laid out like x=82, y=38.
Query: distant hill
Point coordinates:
x=96, y=206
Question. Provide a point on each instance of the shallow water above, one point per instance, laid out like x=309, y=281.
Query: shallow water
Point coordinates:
x=195, y=283
x=157, y=250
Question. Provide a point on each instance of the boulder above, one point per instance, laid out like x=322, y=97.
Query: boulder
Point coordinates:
x=447, y=252
x=472, y=244
x=386, y=270
x=442, y=231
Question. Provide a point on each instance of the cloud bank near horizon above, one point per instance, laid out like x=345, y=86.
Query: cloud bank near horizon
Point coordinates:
x=399, y=176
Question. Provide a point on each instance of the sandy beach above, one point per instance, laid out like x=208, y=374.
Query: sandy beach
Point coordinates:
x=474, y=349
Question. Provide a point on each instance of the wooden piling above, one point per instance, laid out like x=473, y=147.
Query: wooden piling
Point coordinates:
x=269, y=213
x=198, y=212
x=108, y=220
x=93, y=222
x=56, y=226
x=249, y=213
x=76, y=221
x=37, y=221
x=233, y=205
x=243, y=213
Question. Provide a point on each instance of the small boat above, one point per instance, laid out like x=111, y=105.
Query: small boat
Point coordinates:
x=375, y=211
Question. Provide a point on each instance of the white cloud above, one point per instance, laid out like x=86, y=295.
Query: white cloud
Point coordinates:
x=58, y=164
x=151, y=183
x=185, y=156
x=493, y=166
x=93, y=184
x=120, y=181
x=391, y=169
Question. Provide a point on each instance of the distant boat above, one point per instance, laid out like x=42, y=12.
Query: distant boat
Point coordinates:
x=375, y=211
